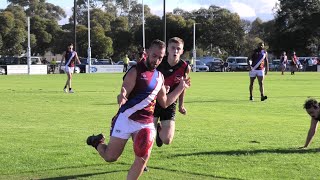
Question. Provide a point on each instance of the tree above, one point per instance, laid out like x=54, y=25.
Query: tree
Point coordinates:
x=12, y=32
x=296, y=26
x=219, y=27
x=135, y=14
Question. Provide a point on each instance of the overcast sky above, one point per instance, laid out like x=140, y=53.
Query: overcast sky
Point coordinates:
x=247, y=9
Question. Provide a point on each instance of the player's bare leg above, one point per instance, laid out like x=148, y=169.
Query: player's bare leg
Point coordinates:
x=251, y=87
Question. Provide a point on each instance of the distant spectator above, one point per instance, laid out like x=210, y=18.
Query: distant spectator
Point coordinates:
x=125, y=63
x=191, y=64
x=304, y=64
x=53, y=65
x=222, y=66
x=44, y=61
x=283, y=62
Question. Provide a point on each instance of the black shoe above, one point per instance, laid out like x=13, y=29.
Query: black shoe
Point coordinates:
x=158, y=139
x=94, y=141
x=263, y=98
x=251, y=98
x=146, y=169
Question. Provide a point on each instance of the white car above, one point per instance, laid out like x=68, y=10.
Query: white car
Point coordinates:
x=201, y=66
x=238, y=63
x=2, y=71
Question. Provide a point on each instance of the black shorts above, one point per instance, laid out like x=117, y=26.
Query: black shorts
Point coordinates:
x=165, y=114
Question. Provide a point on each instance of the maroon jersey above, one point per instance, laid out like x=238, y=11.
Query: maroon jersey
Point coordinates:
x=142, y=99
x=172, y=75
x=70, y=58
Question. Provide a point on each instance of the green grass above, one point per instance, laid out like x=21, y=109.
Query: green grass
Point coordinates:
x=223, y=136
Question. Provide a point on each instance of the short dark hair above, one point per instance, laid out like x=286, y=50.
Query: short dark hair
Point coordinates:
x=158, y=43
x=176, y=40
x=311, y=103
x=70, y=44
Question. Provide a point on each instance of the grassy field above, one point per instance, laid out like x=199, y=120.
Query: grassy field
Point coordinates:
x=223, y=136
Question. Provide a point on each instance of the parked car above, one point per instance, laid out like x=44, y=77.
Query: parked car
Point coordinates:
x=9, y=60
x=216, y=66
x=85, y=61
x=238, y=63
x=34, y=60
x=105, y=62
x=207, y=60
x=2, y=71
x=119, y=62
x=201, y=67
x=275, y=65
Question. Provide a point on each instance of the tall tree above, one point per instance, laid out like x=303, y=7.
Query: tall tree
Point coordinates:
x=296, y=26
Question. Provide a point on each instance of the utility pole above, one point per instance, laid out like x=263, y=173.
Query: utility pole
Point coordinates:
x=143, y=30
x=75, y=24
x=164, y=22
x=89, y=40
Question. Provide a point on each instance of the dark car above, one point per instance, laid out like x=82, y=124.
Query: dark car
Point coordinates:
x=104, y=62
x=215, y=66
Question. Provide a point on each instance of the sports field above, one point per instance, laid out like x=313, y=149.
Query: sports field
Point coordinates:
x=224, y=136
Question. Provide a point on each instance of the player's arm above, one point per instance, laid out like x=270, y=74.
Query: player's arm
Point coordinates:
x=267, y=63
x=128, y=84
x=182, y=109
x=77, y=58
x=311, y=132
x=166, y=100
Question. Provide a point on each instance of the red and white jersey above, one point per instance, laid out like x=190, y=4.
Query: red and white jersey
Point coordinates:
x=142, y=99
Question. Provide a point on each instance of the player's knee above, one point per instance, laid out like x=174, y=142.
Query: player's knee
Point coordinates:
x=167, y=140
x=261, y=83
x=111, y=158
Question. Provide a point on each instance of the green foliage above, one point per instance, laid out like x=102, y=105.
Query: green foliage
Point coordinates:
x=297, y=27
x=7, y=22
x=101, y=44
x=1, y=41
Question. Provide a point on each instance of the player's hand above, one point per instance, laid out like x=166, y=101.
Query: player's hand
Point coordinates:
x=182, y=110
x=122, y=99
x=186, y=82
x=167, y=89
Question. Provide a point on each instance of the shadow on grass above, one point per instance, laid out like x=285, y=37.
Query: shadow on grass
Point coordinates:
x=157, y=168
x=82, y=175
x=193, y=173
x=105, y=104
x=250, y=152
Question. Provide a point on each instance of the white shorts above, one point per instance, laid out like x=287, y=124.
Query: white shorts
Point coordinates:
x=124, y=127
x=69, y=69
x=255, y=73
